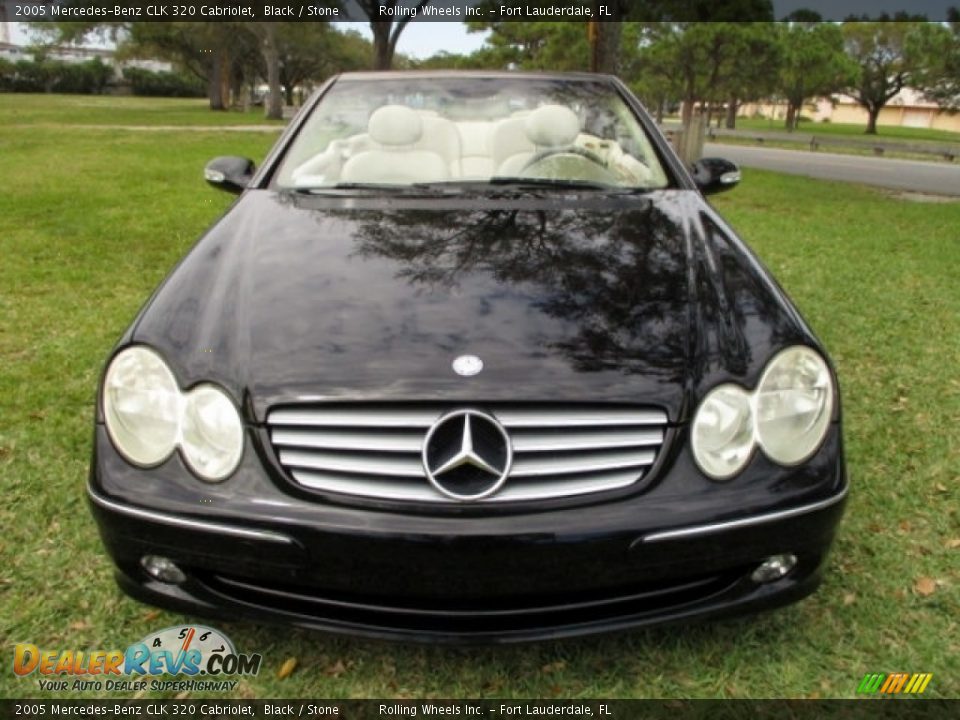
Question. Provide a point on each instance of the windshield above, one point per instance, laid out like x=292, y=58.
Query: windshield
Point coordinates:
x=460, y=129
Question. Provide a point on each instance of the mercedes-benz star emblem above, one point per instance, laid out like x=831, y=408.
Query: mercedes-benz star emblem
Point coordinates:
x=467, y=455
x=467, y=365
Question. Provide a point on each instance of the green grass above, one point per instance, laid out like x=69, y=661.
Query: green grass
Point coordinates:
x=27, y=109
x=884, y=132
x=85, y=240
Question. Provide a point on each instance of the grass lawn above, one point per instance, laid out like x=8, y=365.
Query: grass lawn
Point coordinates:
x=28, y=109
x=85, y=240
x=884, y=132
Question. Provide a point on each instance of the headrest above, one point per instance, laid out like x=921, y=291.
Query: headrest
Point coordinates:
x=395, y=125
x=552, y=126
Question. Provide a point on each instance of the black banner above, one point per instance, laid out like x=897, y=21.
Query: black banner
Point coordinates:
x=464, y=10
x=43, y=709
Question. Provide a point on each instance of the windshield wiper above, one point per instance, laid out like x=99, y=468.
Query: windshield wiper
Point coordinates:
x=564, y=184
x=411, y=189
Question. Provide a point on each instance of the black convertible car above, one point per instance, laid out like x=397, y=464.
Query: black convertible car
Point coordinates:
x=469, y=359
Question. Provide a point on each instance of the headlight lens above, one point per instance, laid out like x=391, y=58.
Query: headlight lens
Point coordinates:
x=794, y=402
x=212, y=434
x=148, y=417
x=723, y=432
x=141, y=406
x=787, y=415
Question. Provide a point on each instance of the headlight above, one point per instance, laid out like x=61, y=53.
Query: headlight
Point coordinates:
x=723, y=432
x=212, y=434
x=141, y=406
x=148, y=417
x=794, y=402
x=787, y=415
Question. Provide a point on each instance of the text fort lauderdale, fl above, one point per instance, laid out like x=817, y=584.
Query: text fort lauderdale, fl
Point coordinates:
x=502, y=11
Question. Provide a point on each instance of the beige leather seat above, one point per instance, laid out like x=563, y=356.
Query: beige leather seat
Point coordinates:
x=517, y=140
x=441, y=136
x=394, y=156
x=475, y=154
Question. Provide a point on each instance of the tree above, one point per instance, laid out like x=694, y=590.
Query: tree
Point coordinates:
x=814, y=64
x=481, y=59
x=756, y=56
x=701, y=57
x=939, y=73
x=266, y=34
x=536, y=45
x=887, y=59
x=313, y=51
x=386, y=32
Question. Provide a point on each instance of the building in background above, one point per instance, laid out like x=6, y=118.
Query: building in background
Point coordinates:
x=116, y=85
x=908, y=108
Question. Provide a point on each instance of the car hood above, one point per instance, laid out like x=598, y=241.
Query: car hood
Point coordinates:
x=637, y=299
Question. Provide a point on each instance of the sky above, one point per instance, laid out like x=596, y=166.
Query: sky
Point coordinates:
x=419, y=39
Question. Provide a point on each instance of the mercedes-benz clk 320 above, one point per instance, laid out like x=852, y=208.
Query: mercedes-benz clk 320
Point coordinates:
x=472, y=359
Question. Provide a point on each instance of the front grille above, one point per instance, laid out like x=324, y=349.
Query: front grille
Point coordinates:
x=374, y=451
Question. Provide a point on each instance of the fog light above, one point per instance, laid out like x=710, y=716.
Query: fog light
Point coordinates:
x=774, y=568
x=163, y=569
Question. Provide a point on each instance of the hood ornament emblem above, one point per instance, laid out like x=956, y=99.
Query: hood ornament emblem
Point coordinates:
x=467, y=365
x=467, y=455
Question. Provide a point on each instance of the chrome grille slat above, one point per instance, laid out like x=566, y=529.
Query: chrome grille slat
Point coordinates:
x=539, y=466
x=554, y=442
x=372, y=417
x=381, y=488
x=518, y=418
x=373, y=464
x=374, y=451
x=408, y=442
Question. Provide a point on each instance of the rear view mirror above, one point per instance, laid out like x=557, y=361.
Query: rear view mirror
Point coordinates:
x=230, y=173
x=714, y=175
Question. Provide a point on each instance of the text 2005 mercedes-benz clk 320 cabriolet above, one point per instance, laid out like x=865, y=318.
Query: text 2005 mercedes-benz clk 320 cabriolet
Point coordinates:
x=469, y=359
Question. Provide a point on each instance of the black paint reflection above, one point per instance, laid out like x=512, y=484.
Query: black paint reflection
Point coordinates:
x=616, y=279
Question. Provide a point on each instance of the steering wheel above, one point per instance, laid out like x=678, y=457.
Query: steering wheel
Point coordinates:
x=569, y=150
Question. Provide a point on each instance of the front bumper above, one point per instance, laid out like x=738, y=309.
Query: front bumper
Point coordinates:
x=250, y=549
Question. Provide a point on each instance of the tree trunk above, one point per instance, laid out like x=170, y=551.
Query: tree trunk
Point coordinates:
x=791, y=121
x=271, y=56
x=732, y=105
x=686, y=112
x=382, y=48
x=236, y=88
x=872, y=115
x=225, y=76
x=661, y=110
x=288, y=92
x=214, y=83
x=608, y=40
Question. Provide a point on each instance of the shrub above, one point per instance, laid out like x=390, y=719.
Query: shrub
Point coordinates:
x=43, y=75
x=162, y=84
x=89, y=78
x=7, y=70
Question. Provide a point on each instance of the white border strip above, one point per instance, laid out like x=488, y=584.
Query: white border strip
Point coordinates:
x=177, y=521
x=697, y=530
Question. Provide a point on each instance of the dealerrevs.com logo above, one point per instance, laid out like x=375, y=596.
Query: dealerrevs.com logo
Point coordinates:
x=183, y=650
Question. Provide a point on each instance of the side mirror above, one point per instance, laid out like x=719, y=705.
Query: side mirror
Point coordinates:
x=714, y=175
x=229, y=173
